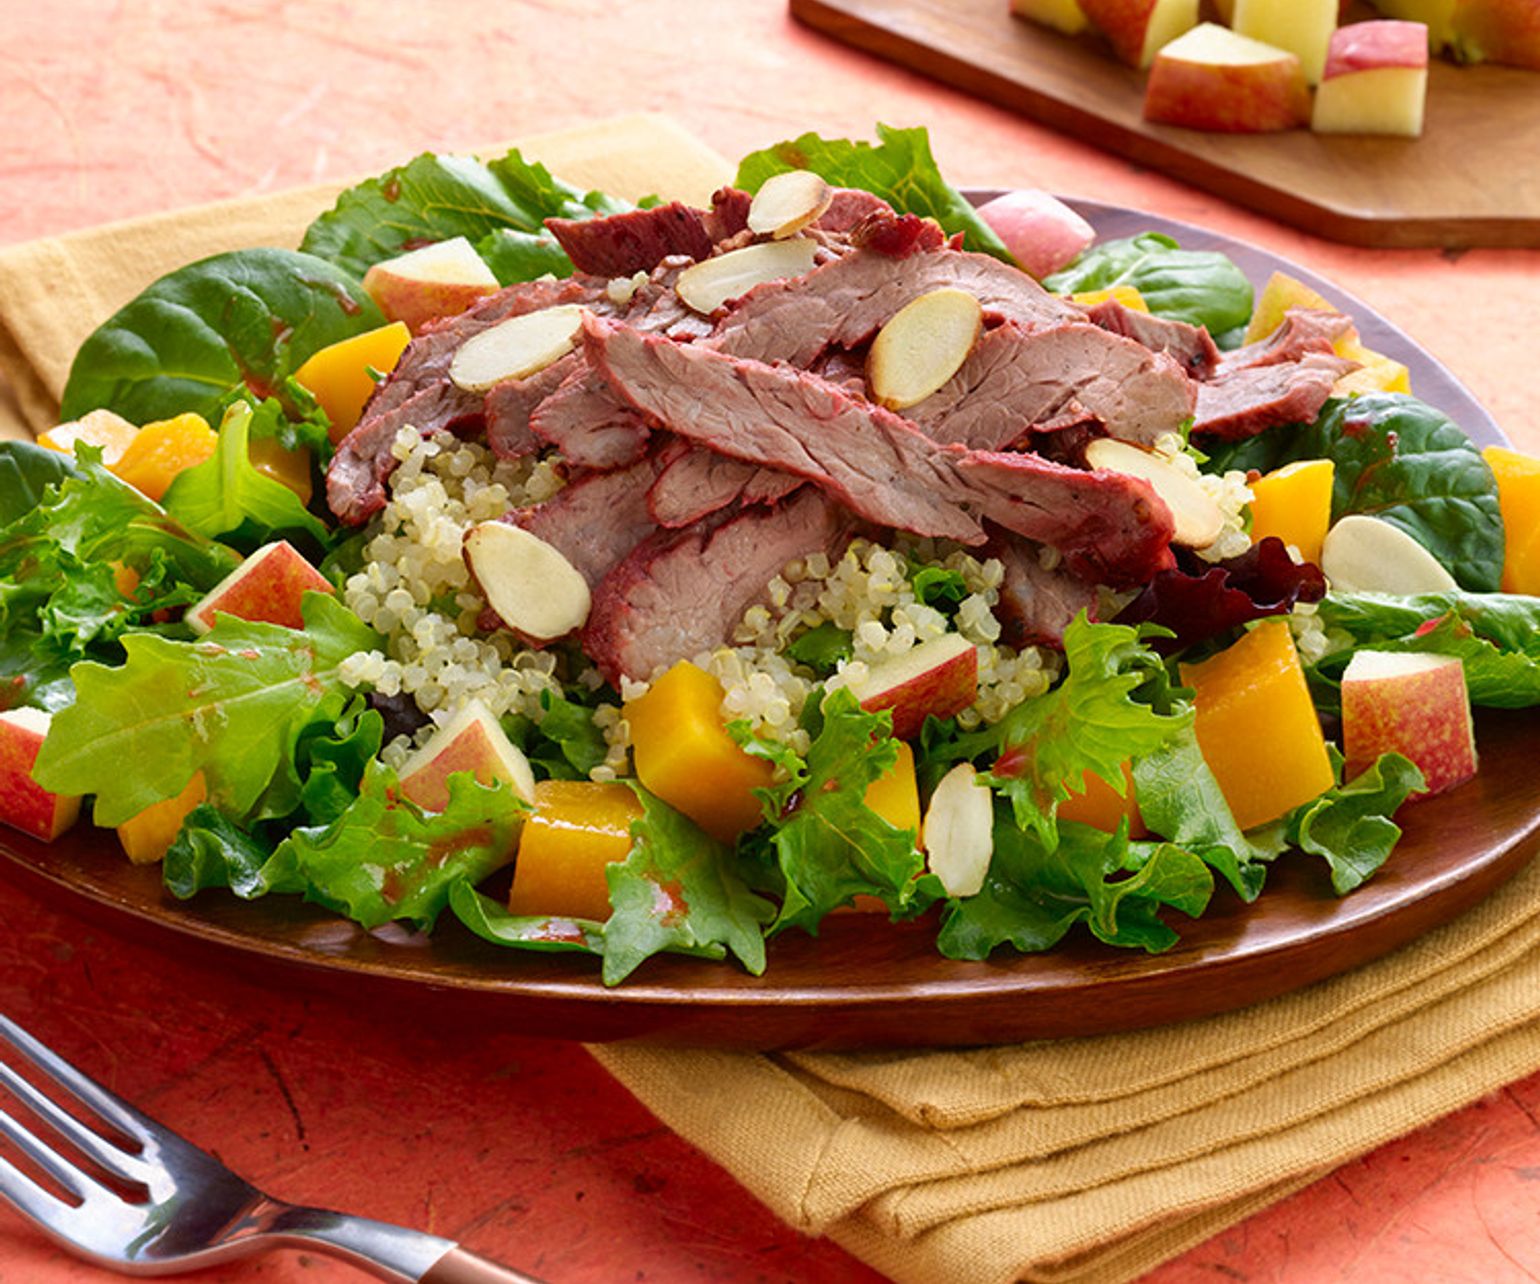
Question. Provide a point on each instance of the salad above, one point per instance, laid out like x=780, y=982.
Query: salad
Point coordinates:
x=620, y=580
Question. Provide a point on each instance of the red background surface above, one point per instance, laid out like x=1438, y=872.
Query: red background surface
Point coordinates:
x=523, y=1148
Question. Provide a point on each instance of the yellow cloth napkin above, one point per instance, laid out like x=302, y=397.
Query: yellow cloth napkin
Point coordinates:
x=1071, y=1160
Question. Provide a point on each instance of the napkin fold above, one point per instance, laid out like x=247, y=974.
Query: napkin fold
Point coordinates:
x=1077, y=1160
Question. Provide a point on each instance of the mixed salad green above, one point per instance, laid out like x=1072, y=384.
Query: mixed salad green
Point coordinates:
x=300, y=803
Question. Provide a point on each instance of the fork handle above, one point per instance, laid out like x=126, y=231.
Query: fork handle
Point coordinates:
x=460, y=1266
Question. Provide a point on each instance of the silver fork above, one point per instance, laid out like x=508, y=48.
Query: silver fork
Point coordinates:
x=196, y=1212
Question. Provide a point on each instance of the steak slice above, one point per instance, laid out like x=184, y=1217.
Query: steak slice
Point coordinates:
x=589, y=424
x=696, y=483
x=508, y=406
x=1190, y=345
x=683, y=592
x=729, y=213
x=1302, y=331
x=848, y=207
x=1016, y=380
x=877, y=464
x=636, y=241
x=1244, y=402
x=1036, y=604
x=597, y=520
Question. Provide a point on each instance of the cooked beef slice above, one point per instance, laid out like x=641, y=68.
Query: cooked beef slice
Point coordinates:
x=877, y=464
x=1190, y=345
x=1016, y=380
x=508, y=406
x=897, y=235
x=848, y=207
x=1246, y=401
x=683, y=592
x=636, y=241
x=1036, y=604
x=1302, y=331
x=597, y=520
x=697, y=482
x=729, y=213
x=589, y=424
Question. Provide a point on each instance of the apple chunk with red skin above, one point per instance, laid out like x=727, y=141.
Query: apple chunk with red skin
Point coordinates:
x=470, y=741
x=1376, y=80
x=266, y=588
x=25, y=804
x=1039, y=229
x=1214, y=79
x=438, y=280
x=1137, y=29
x=1412, y=703
x=939, y=677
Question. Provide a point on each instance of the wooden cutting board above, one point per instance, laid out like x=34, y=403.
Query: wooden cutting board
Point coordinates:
x=1473, y=178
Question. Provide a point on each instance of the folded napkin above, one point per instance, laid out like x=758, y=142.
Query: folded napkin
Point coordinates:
x=1068, y=1160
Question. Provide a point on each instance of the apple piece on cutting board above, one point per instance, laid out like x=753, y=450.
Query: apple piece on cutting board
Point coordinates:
x=1137, y=29
x=1303, y=27
x=469, y=741
x=1214, y=79
x=25, y=804
x=937, y=677
x=438, y=280
x=1065, y=16
x=1375, y=82
x=1506, y=31
x=1413, y=703
x=1040, y=230
x=268, y=587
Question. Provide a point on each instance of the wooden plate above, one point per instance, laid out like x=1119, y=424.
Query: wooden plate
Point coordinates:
x=1473, y=178
x=864, y=981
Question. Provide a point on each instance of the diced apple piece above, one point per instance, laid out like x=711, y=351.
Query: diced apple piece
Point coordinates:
x=1518, y=494
x=1214, y=79
x=1414, y=704
x=1139, y=29
x=1368, y=555
x=267, y=587
x=108, y=431
x=1060, y=15
x=1257, y=727
x=938, y=677
x=922, y=346
x=578, y=828
x=516, y=348
x=1303, y=27
x=1506, y=31
x=533, y=588
x=25, y=804
x=1375, y=81
x=341, y=376
x=1294, y=504
x=786, y=203
x=1198, y=519
x=1039, y=229
x=959, y=832
x=147, y=837
x=1281, y=293
x=438, y=280
x=469, y=741
x=707, y=285
x=1376, y=372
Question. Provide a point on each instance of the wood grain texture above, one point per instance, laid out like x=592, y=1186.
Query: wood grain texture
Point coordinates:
x=1472, y=179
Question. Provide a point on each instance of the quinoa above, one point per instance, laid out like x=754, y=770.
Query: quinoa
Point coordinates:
x=1229, y=492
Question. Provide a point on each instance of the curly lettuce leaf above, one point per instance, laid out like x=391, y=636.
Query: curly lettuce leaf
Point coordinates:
x=1200, y=287
x=26, y=472
x=899, y=168
x=1350, y=826
x=332, y=760
x=211, y=850
x=232, y=705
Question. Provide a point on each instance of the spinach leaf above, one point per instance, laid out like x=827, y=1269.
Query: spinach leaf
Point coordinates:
x=822, y=648
x=522, y=256
x=899, y=168
x=26, y=472
x=1401, y=460
x=248, y=318
x=1201, y=287
x=1350, y=826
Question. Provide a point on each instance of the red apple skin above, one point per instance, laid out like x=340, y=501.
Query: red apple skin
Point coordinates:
x=1250, y=99
x=1039, y=229
x=1123, y=22
x=24, y=804
x=1370, y=46
x=477, y=744
x=416, y=303
x=267, y=587
x=940, y=691
x=1424, y=716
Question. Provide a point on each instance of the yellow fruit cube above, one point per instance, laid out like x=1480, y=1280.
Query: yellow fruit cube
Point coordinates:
x=1294, y=503
x=147, y=837
x=1518, y=494
x=338, y=376
x=895, y=795
x=578, y=827
x=161, y=450
x=291, y=467
x=1129, y=297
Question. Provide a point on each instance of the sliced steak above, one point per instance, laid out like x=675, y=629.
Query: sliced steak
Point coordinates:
x=849, y=206
x=597, y=520
x=508, y=406
x=1190, y=345
x=729, y=213
x=897, y=235
x=1244, y=402
x=636, y=241
x=697, y=482
x=1302, y=331
x=1036, y=604
x=1015, y=381
x=877, y=464
x=589, y=424
x=683, y=592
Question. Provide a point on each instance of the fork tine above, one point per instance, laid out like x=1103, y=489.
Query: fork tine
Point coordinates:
x=44, y=1156
x=96, y=1147
x=85, y=1090
x=30, y=1199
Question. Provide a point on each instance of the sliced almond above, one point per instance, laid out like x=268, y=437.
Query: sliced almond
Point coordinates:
x=786, y=203
x=959, y=831
x=922, y=346
x=707, y=285
x=516, y=348
x=1368, y=555
x=1198, y=518
x=533, y=589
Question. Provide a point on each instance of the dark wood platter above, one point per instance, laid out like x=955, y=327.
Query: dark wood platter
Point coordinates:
x=864, y=982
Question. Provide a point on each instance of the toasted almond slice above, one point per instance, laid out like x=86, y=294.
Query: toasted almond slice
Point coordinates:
x=922, y=346
x=535, y=591
x=959, y=831
x=1368, y=555
x=707, y=285
x=786, y=203
x=516, y=348
x=1198, y=519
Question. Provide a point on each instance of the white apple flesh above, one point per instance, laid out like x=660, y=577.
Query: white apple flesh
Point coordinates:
x=1040, y=230
x=516, y=348
x=1139, y=29
x=1368, y=555
x=1376, y=80
x=922, y=346
x=1198, y=519
x=25, y=804
x=1211, y=78
x=938, y=677
x=1412, y=703
x=1065, y=16
x=438, y=280
x=706, y=286
x=470, y=741
x=268, y=587
x=1303, y=27
x=530, y=585
x=958, y=831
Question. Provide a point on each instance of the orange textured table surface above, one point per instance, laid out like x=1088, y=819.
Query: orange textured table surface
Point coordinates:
x=519, y=1147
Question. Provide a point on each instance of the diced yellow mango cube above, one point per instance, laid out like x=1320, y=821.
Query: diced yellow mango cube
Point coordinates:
x=1377, y=373
x=291, y=467
x=338, y=376
x=1518, y=494
x=578, y=827
x=161, y=450
x=102, y=428
x=1098, y=804
x=1294, y=503
x=1129, y=297
x=895, y=795
x=147, y=837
